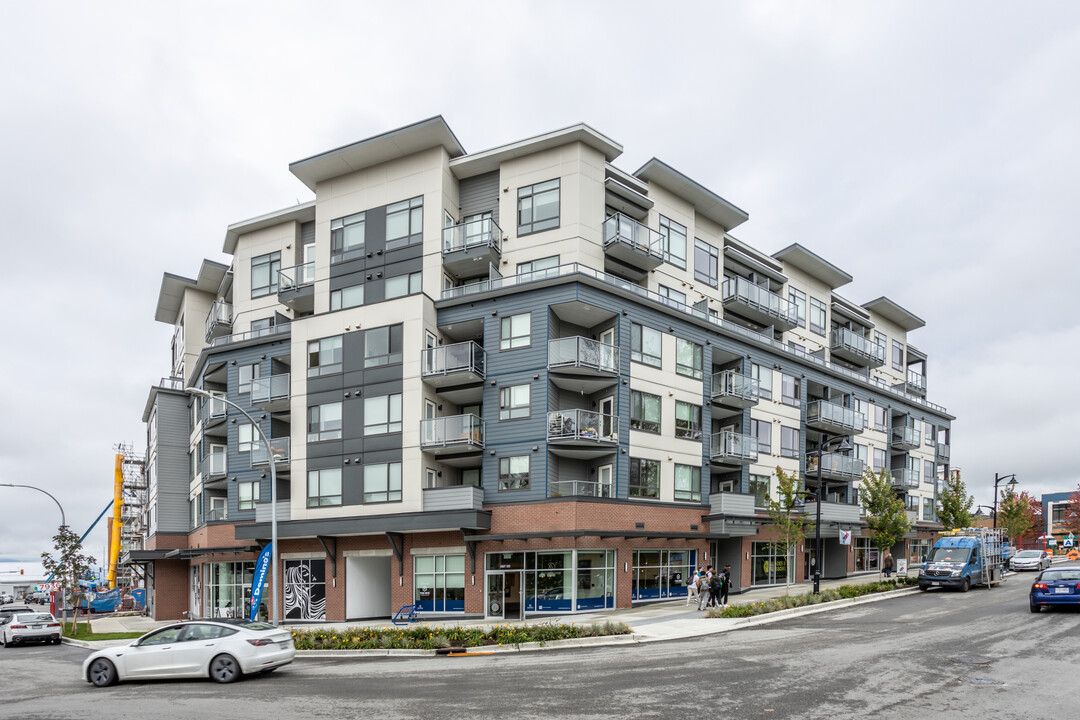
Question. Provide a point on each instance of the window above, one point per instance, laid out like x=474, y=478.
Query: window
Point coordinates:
x=347, y=297
x=789, y=442
x=687, y=482
x=818, y=316
x=514, y=332
x=789, y=393
x=245, y=437
x=247, y=373
x=439, y=582
x=644, y=478
x=688, y=358
x=673, y=242
x=382, y=414
x=879, y=459
x=928, y=471
x=880, y=419
x=514, y=402
x=538, y=207
x=402, y=285
x=247, y=494
x=537, y=266
x=897, y=355
x=264, y=274
x=644, y=412
x=706, y=263
x=928, y=509
x=405, y=223
x=347, y=238
x=929, y=434
x=324, y=487
x=863, y=408
x=687, y=420
x=382, y=346
x=514, y=473
x=762, y=432
x=912, y=502
x=860, y=453
x=645, y=345
x=382, y=482
x=261, y=327
x=764, y=377
x=324, y=422
x=324, y=356
x=759, y=488
x=799, y=298
x=679, y=298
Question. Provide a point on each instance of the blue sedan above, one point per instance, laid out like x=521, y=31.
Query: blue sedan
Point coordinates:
x=1056, y=586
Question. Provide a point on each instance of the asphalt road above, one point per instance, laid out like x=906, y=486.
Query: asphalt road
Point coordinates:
x=929, y=655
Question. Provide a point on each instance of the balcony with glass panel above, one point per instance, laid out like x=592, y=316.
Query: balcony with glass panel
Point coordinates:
x=214, y=469
x=456, y=366
x=758, y=303
x=914, y=385
x=579, y=363
x=453, y=435
x=219, y=321
x=942, y=451
x=279, y=451
x=735, y=390
x=582, y=433
x=579, y=488
x=471, y=245
x=296, y=287
x=271, y=393
x=732, y=448
x=213, y=410
x=904, y=478
x=906, y=438
x=844, y=344
x=631, y=249
x=834, y=419
x=835, y=466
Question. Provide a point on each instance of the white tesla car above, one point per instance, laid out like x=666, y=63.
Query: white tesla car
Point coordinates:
x=222, y=650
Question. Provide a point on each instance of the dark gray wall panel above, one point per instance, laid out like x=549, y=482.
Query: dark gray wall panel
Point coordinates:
x=479, y=194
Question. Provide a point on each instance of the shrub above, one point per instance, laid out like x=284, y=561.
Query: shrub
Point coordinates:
x=786, y=601
x=432, y=637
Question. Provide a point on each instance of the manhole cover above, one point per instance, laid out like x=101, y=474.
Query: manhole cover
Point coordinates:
x=971, y=660
x=982, y=681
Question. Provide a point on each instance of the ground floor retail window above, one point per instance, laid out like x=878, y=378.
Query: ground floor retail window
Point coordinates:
x=557, y=580
x=918, y=549
x=228, y=590
x=439, y=583
x=770, y=565
x=662, y=573
x=866, y=555
x=305, y=589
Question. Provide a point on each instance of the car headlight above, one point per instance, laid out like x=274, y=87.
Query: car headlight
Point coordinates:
x=955, y=572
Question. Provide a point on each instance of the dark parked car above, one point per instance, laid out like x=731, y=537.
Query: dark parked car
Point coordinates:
x=1056, y=586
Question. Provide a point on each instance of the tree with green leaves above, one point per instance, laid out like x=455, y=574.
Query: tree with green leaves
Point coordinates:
x=886, y=514
x=1014, y=515
x=788, y=519
x=954, y=503
x=68, y=567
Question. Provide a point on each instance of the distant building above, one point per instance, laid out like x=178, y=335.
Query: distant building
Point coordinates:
x=1055, y=506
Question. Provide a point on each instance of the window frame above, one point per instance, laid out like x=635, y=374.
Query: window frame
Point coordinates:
x=390, y=425
x=338, y=251
x=666, y=227
x=515, y=340
x=637, y=339
x=897, y=352
x=346, y=297
x=393, y=354
x=756, y=427
x=711, y=256
x=335, y=347
x=248, y=494
x=244, y=387
x=413, y=285
x=246, y=445
x=530, y=193
x=511, y=406
x=315, y=419
x=787, y=434
x=413, y=210
x=695, y=370
x=322, y=499
x=637, y=486
x=273, y=263
x=638, y=420
x=798, y=298
x=816, y=307
x=693, y=494
x=688, y=428
x=506, y=480
x=794, y=399
x=391, y=486
x=764, y=375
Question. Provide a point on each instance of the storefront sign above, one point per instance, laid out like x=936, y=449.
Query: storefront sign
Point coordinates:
x=261, y=566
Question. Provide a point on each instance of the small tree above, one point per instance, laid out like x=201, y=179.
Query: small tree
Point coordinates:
x=1014, y=515
x=954, y=503
x=787, y=518
x=886, y=514
x=68, y=568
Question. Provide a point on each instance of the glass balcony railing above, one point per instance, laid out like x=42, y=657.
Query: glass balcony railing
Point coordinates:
x=467, y=430
x=943, y=451
x=916, y=381
x=472, y=234
x=584, y=353
x=741, y=290
x=578, y=488
x=279, y=450
x=904, y=436
x=837, y=417
x=624, y=230
x=731, y=445
x=215, y=464
x=847, y=340
x=270, y=389
x=297, y=276
x=836, y=465
x=216, y=514
x=732, y=384
x=904, y=478
x=213, y=408
x=282, y=329
x=219, y=320
x=465, y=357
x=582, y=425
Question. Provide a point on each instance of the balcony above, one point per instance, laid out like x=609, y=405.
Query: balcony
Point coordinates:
x=460, y=366
x=847, y=345
x=630, y=248
x=904, y=478
x=834, y=512
x=282, y=329
x=835, y=466
x=213, y=410
x=217, y=515
x=471, y=245
x=263, y=511
x=906, y=438
x=732, y=503
x=296, y=287
x=915, y=384
x=453, y=497
x=735, y=390
x=834, y=419
x=942, y=451
x=219, y=320
x=214, y=465
x=578, y=363
x=271, y=393
x=758, y=303
x=582, y=434
x=450, y=436
x=579, y=488
x=279, y=450
x=732, y=448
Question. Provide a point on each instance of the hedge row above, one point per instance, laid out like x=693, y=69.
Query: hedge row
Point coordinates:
x=435, y=637
x=786, y=602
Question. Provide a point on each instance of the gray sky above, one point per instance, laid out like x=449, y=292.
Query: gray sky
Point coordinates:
x=929, y=149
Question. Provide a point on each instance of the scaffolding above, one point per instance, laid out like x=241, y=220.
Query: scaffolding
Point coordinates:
x=132, y=519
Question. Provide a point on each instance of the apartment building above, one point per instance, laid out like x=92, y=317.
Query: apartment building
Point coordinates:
x=514, y=382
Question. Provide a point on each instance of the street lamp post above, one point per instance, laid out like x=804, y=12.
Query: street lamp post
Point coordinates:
x=1012, y=482
x=273, y=497
x=842, y=444
x=63, y=519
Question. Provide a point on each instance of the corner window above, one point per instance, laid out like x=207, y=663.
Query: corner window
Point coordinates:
x=405, y=223
x=673, y=242
x=347, y=297
x=347, y=238
x=514, y=402
x=644, y=412
x=382, y=346
x=514, y=473
x=799, y=298
x=706, y=263
x=763, y=375
x=264, y=274
x=687, y=420
x=382, y=414
x=324, y=422
x=538, y=207
x=324, y=487
x=818, y=315
x=645, y=345
x=247, y=495
x=324, y=356
x=382, y=482
x=790, y=390
x=687, y=482
x=688, y=358
x=644, y=478
x=514, y=332
x=245, y=437
x=247, y=373
x=789, y=442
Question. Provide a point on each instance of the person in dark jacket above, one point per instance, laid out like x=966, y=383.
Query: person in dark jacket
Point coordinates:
x=715, y=583
x=725, y=586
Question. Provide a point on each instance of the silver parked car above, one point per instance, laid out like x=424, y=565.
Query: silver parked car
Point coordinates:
x=1030, y=560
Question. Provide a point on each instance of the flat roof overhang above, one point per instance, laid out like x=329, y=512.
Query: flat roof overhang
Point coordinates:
x=373, y=525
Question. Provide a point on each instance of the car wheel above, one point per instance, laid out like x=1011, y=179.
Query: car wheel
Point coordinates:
x=966, y=585
x=924, y=588
x=1034, y=608
x=102, y=673
x=224, y=669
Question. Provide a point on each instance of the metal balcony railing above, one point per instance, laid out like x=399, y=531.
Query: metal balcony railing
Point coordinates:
x=215, y=464
x=582, y=425
x=468, y=357
x=220, y=316
x=916, y=380
x=214, y=408
x=452, y=430
x=905, y=436
x=579, y=488
x=729, y=383
x=836, y=465
x=269, y=389
x=297, y=276
x=904, y=478
x=624, y=230
x=728, y=444
x=739, y=289
x=282, y=329
x=822, y=412
x=279, y=449
x=584, y=353
x=844, y=338
x=475, y=233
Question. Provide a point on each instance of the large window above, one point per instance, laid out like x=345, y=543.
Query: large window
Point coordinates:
x=245, y=437
x=644, y=412
x=818, y=316
x=228, y=593
x=897, y=355
x=866, y=555
x=247, y=494
x=382, y=346
x=679, y=298
x=324, y=422
x=538, y=267
x=246, y=373
x=264, y=274
x=662, y=573
x=798, y=297
x=347, y=238
x=439, y=583
x=324, y=356
x=687, y=420
x=514, y=473
x=514, y=402
x=405, y=223
x=687, y=482
x=673, y=242
x=929, y=473
x=688, y=358
x=646, y=345
x=763, y=374
x=644, y=478
x=515, y=331
x=881, y=421
x=382, y=414
x=347, y=297
x=706, y=263
x=759, y=488
x=382, y=482
x=324, y=487
x=538, y=207
x=762, y=432
x=790, y=390
x=402, y=285
x=789, y=442
x=770, y=567
x=879, y=459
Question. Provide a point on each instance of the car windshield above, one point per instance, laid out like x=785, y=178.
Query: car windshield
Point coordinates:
x=1029, y=554
x=34, y=618
x=1059, y=575
x=949, y=554
x=250, y=625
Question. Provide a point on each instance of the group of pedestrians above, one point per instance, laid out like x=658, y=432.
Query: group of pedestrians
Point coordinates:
x=709, y=588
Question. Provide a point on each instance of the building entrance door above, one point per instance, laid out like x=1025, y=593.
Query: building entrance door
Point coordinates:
x=503, y=596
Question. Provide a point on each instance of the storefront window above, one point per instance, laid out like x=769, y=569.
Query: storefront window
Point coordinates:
x=560, y=580
x=662, y=573
x=919, y=549
x=770, y=566
x=866, y=555
x=439, y=583
x=228, y=590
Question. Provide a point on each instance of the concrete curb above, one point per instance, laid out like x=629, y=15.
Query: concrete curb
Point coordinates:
x=485, y=649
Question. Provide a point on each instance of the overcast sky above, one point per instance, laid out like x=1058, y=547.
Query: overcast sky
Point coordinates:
x=928, y=149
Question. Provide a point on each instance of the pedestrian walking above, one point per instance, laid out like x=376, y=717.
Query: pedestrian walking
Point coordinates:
x=703, y=587
x=888, y=565
x=692, y=587
x=725, y=578
x=715, y=583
